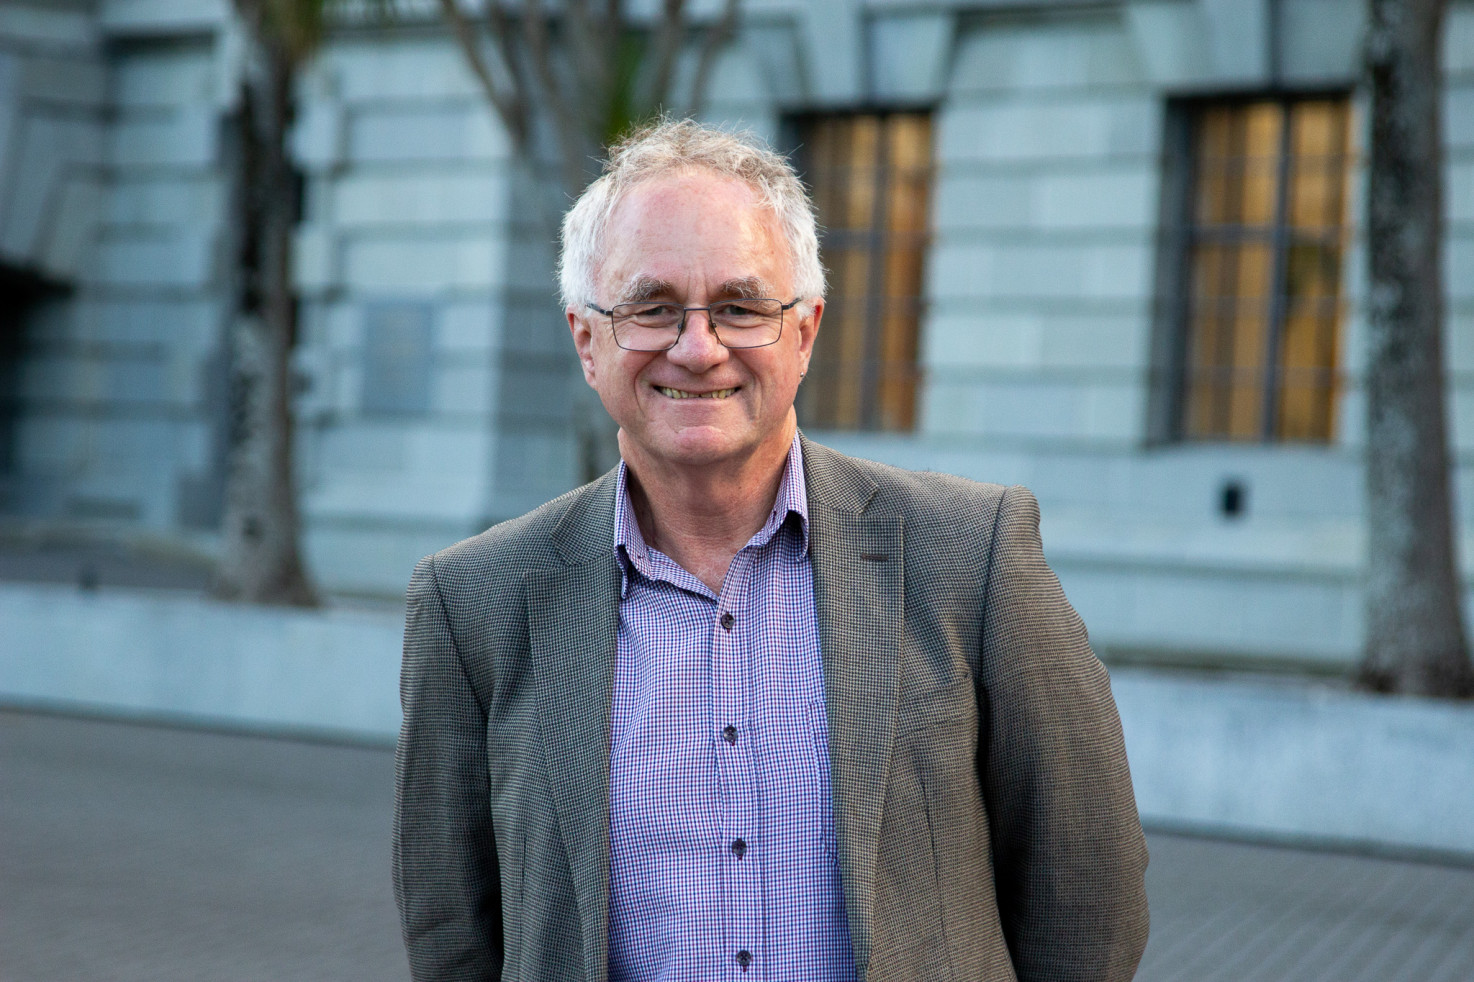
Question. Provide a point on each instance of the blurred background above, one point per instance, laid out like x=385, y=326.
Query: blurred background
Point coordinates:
x=278, y=317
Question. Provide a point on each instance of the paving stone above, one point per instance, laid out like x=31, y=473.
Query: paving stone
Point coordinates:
x=149, y=853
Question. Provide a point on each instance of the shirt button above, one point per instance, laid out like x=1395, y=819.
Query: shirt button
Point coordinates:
x=729, y=733
x=739, y=848
x=727, y=619
x=744, y=958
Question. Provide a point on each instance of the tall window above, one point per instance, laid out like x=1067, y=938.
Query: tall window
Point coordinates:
x=871, y=178
x=1260, y=306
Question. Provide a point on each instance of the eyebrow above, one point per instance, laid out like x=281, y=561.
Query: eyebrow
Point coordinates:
x=642, y=288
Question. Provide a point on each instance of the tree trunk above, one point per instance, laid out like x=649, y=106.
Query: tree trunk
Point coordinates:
x=262, y=562
x=1415, y=639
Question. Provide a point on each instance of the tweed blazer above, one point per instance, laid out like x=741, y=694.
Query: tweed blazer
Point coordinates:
x=985, y=821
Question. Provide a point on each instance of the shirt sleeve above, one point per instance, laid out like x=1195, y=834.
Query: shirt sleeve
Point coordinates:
x=1070, y=857
x=447, y=881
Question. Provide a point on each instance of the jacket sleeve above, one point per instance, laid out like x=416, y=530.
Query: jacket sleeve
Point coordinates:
x=446, y=879
x=1070, y=858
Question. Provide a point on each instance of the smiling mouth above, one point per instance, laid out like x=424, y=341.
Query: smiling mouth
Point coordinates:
x=682, y=394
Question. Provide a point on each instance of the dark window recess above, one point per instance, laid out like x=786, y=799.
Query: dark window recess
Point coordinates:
x=1255, y=230
x=398, y=358
x=871, y=175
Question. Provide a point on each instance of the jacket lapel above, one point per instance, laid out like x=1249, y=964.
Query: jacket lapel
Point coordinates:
x=859, y=595
x=573, y=625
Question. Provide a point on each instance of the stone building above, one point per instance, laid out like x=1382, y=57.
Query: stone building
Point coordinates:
x=1105, y=248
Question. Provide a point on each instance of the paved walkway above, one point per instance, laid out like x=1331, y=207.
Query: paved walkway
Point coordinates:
x=132, y=852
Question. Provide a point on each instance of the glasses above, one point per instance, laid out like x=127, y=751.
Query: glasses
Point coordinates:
x=657, y=326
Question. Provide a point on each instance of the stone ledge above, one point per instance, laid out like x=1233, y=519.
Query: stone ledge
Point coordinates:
x=1279, y=760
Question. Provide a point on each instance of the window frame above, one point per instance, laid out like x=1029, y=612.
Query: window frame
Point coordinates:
x=1180, y=232
x=877, y=251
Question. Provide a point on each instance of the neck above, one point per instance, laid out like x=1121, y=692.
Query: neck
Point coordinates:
x=702, y=515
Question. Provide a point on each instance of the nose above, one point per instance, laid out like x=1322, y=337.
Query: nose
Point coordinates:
x=697, y=349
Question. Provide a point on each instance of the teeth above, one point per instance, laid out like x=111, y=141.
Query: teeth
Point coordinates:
x=680, y=394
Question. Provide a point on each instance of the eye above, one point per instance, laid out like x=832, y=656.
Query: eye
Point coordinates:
x=739, y=310
x=648, y=313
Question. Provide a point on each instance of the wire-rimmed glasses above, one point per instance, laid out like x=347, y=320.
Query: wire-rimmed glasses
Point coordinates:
x=656, y=325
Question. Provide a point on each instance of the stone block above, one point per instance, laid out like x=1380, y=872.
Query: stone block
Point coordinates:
x=532, y=465
x=78, y=82
x=319, y=138
x=833, y=45
x=365, y=197
x=467, y=328
x=1119, y=272
x=1010, y=406
x=1322, y=40
x=1086, y=50
x=36, y=24
x=963, y=270
x=1458, y=267
x=154, y=200
x=1022, y=130
x=352, y=448
x=315, y=258
x=909, y=54
x=1458, y=117
x=968, y=198
x=424, y=263
x=1459, y=341
x=1114, y=410
x=445, y=130
x=48, y=147
x=163, y=78
x=1459, y=183
x=66, y=248
x=462, y=388
x=399, y=70
x=180, y=260
x=974, y=336
x=1107, y=341
x=186, y=138
x=1107, y=197
x=1458, y=40
x=152, y=17
x=1173, y=42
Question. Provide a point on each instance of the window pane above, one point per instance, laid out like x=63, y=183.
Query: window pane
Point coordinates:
x=871, y=179
x=1263, y=310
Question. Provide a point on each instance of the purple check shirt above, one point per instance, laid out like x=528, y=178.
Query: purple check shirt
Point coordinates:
x=722, y=861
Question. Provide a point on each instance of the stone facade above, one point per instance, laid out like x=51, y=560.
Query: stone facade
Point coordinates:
x=438, y=384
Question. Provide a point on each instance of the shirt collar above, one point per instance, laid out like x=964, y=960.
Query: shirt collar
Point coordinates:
x=633, y=553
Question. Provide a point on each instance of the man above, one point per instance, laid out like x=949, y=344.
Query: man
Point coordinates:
x=746, y=708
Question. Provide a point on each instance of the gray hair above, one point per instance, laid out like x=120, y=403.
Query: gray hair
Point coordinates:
x=682, y=145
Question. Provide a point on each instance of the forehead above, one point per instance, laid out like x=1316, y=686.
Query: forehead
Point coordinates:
x=693, y=230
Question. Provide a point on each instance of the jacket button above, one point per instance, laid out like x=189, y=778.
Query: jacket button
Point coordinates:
x=729, y=733
x=739, y=848
x=744, y=958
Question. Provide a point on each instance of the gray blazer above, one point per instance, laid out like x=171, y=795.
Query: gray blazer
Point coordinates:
x=983, y=809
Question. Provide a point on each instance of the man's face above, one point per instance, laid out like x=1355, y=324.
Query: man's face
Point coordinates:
x=695, y=239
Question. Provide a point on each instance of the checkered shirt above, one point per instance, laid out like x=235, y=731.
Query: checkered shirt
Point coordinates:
x=722, y=851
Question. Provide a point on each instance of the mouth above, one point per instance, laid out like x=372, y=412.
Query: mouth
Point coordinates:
x=670, y=393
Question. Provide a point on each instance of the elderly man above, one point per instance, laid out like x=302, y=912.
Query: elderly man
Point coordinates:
x=745, y=708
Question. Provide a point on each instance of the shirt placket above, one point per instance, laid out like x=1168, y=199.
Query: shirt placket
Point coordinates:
x=737, y=767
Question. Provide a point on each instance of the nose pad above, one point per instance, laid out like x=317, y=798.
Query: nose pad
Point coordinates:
x=702, y=337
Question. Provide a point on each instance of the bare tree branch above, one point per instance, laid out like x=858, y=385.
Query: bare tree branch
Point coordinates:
x=720, y=32
x=510, y=106
x=668, y=37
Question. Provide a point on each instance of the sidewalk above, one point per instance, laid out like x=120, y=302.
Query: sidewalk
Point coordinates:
x=137, y=853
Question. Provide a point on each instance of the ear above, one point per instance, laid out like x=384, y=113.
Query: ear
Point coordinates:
x=808, y=330
x=583, y=342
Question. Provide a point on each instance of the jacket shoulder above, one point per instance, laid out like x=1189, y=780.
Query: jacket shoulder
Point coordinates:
x=517, y=545
x=923, y=494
